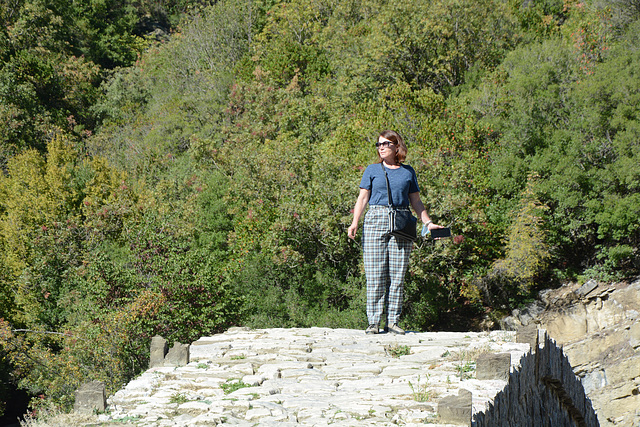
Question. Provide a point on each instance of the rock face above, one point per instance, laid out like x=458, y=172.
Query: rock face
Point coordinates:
x=597, y=324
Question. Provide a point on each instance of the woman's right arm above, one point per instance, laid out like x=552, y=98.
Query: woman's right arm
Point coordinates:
x=358, y=209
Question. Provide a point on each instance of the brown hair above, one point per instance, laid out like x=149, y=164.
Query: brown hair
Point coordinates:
x=398, y=141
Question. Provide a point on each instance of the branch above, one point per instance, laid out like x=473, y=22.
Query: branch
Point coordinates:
x=66, y=334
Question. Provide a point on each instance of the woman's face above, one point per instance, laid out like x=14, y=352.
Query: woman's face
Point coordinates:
x=386, y=148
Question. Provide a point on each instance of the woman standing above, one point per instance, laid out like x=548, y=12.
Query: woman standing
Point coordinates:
x=386, y=257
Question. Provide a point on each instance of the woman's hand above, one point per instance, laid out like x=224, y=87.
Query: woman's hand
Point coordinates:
x=428, y=227
x=421, y=211
x=433, y=226
x=358, y=209
x=353, y=228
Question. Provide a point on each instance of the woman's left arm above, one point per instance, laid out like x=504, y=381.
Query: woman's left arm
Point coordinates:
x=421, y=211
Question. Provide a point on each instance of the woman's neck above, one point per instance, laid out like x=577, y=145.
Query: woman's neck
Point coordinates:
x=393, y=164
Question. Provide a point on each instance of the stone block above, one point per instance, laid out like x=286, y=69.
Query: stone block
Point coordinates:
x=587, y=288
x=158, y=351
x=456, y=409
x=91, y=397
x=178, y=355
x=493, y=366
x=528, y=335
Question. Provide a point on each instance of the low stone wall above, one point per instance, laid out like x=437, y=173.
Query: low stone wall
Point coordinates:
x=544, y=391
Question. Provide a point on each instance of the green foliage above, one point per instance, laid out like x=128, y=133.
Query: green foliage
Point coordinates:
x=178, y=398
x=174, y=100
x=613, y=263
x=397, y=350
x=182, y=186
x=541, y=18
x=233, y=385
x=527, y=254
x=564, y=131
x=101, y=258
x=421, y=391
x=52, y=56
x=464, y=370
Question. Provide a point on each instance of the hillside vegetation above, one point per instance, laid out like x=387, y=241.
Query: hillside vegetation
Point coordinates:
x=177, y=167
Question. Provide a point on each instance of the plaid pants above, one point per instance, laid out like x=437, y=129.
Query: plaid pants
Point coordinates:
x=385, y=263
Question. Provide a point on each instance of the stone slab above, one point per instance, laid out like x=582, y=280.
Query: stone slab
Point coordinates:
x=493, y=366
x=456, y=409
x=158, y=350
x=90, y=398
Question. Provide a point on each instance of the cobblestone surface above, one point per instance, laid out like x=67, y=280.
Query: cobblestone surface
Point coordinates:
x=315, y=376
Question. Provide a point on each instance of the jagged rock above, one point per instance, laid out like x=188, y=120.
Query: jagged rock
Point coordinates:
x=178, y=355
x=601, y=337
x=543, y=390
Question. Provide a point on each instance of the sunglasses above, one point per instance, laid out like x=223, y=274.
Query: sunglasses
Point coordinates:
x=384, y=144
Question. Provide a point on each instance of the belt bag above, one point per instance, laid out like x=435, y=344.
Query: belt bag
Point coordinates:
x=402, y=224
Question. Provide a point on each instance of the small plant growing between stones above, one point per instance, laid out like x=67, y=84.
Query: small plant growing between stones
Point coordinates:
x=232, y=385
x=421, y=393
x=397, y=350
x=465, y=370
x=238, y=357
x=127, y=419
x=178, y=398
x=465, y=366
x=202, y=366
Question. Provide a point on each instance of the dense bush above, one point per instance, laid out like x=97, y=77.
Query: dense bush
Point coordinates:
x=191, y=181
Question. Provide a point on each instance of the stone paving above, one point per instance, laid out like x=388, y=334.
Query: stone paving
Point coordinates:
x=315, y=376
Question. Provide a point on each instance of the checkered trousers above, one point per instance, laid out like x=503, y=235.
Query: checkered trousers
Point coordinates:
x=385, y=263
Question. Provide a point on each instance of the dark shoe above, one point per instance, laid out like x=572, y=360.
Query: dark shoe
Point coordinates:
x=372, y=329
x=395, y=329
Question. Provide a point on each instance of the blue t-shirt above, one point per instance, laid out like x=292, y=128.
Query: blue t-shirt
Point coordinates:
x=402, y=182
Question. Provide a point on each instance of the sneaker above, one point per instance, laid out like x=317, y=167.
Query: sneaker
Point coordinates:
x=395, y=329
x=372, y=329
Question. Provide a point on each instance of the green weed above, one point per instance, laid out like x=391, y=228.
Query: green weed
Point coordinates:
x=178, y=398
x=397, y=350
x=421, y=392
x=232, y=385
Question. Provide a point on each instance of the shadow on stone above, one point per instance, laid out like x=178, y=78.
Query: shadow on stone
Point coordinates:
x=544, y=389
